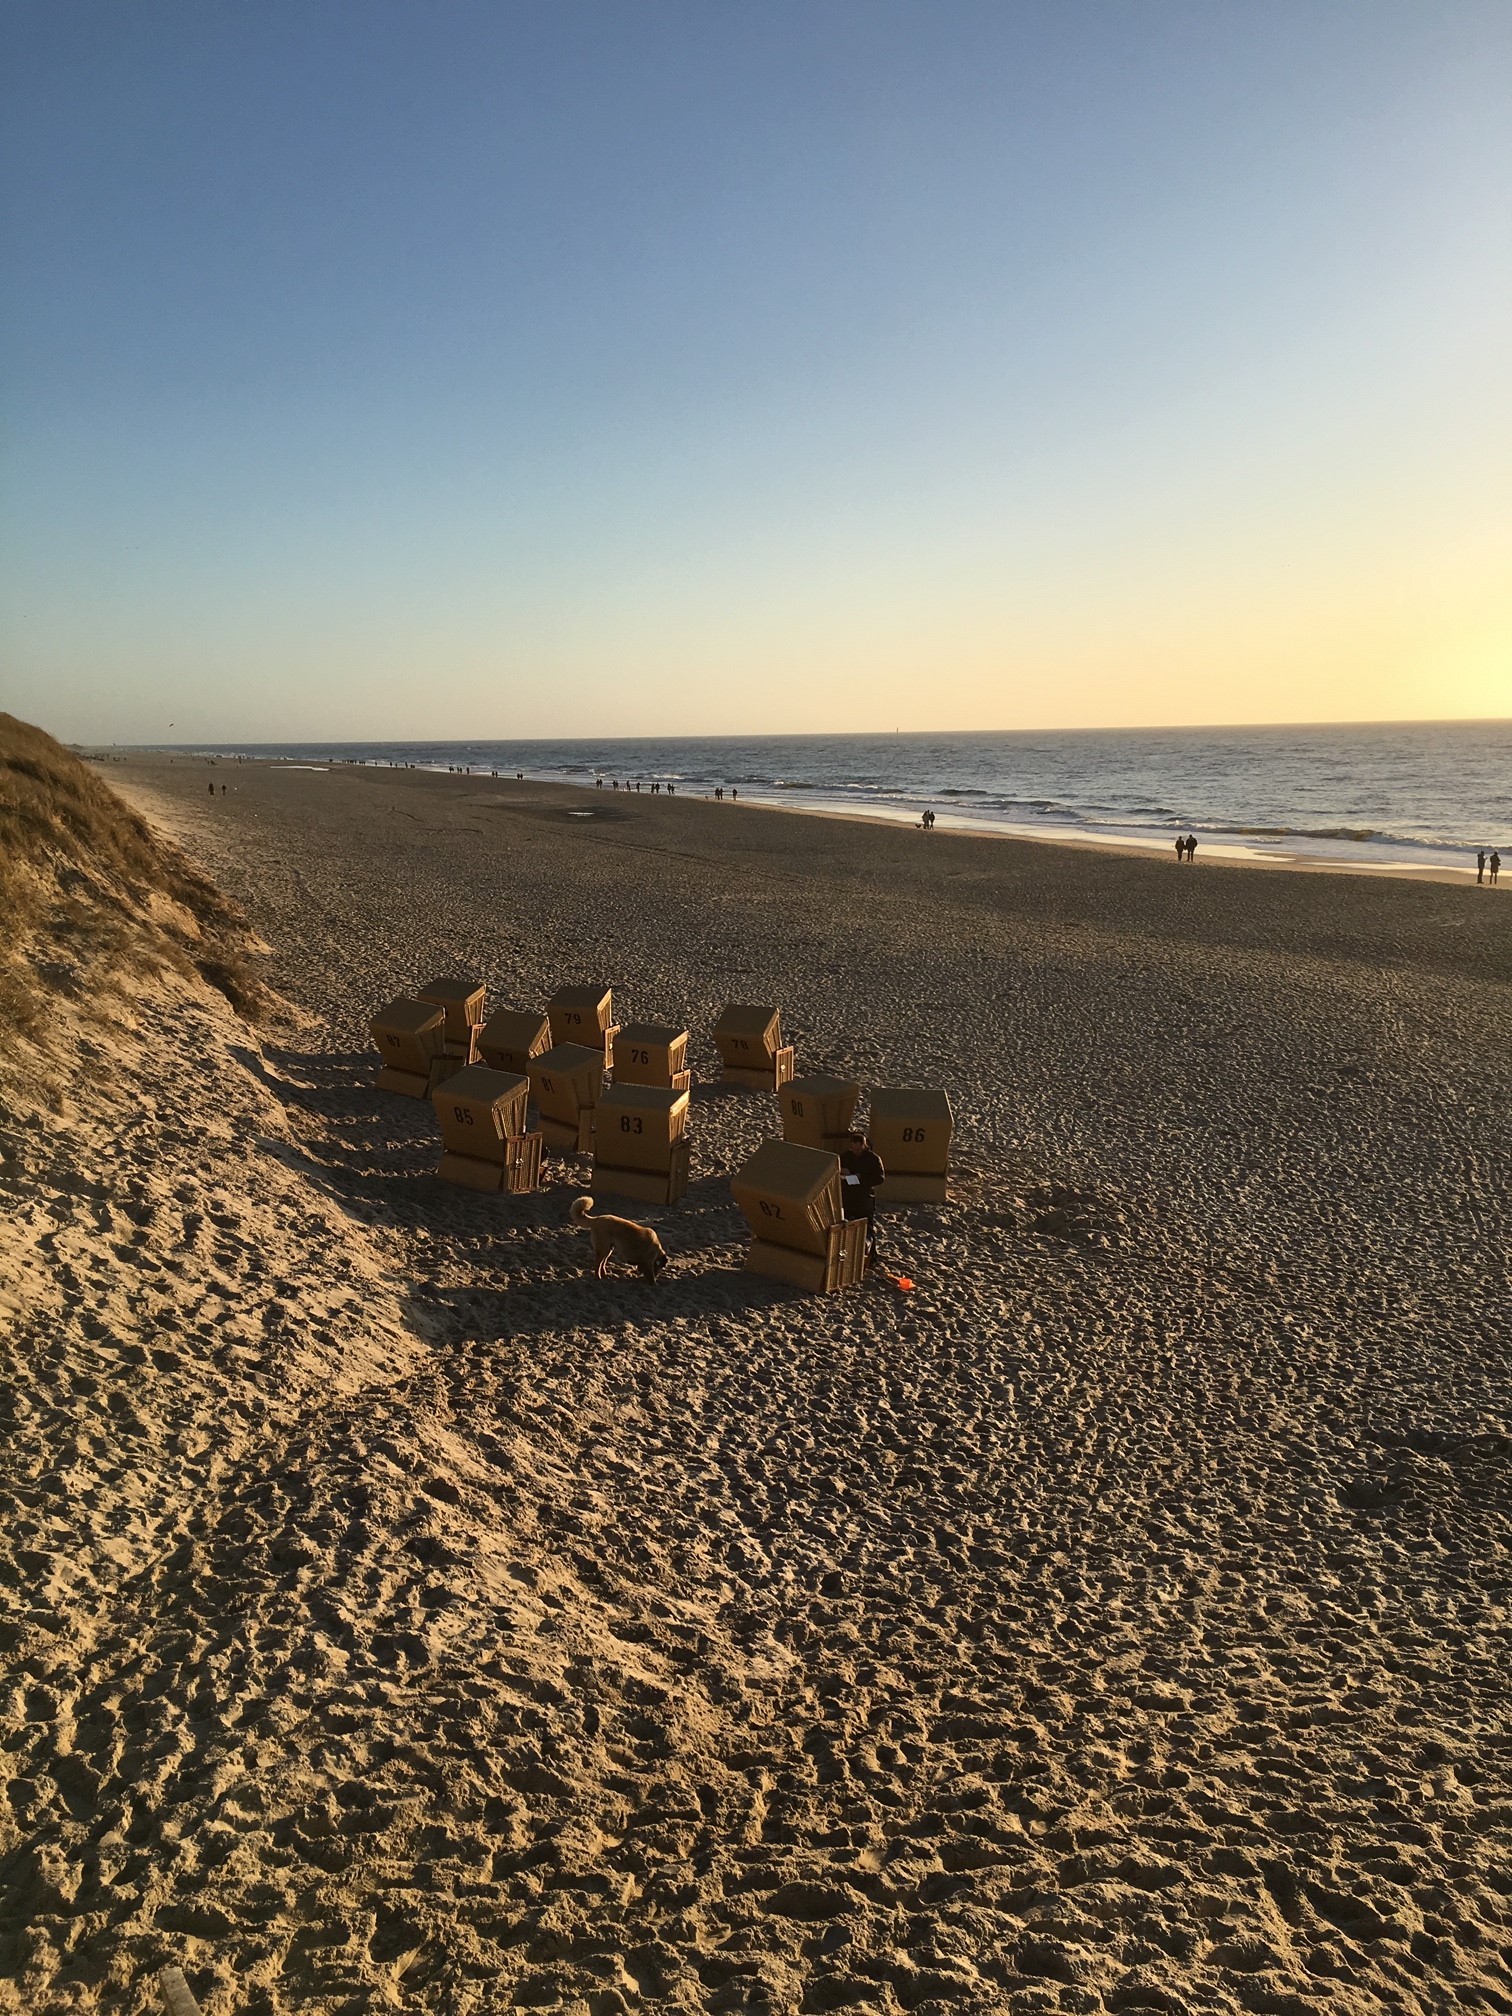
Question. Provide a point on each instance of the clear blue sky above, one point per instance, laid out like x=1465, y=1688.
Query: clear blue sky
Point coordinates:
x=453, y=369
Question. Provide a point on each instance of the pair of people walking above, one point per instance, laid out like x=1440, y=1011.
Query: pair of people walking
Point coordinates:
x=1487, y=868
x=1186, y=847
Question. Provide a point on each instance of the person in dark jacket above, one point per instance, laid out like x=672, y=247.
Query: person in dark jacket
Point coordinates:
x=861, y=1173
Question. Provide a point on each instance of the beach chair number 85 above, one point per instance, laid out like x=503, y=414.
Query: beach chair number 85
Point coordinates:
x=461, y=1113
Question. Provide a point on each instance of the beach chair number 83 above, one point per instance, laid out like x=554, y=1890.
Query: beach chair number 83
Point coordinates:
x=630, y=1124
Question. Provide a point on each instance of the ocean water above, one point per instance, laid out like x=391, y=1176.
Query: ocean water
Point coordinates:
x=1396, y=795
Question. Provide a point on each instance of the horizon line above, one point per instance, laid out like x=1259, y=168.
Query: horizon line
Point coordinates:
x=816, y=734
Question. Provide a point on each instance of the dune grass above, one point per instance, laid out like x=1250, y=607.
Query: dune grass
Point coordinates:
x=89, y=893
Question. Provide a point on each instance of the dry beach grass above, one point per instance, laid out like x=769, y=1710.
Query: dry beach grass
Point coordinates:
x=403, y=1619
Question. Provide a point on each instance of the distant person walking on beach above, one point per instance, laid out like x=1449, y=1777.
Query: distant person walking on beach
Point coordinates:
x=927, y=822
x=1480, y=866
x=1191, y=845
x=1494, y=865
x=862, y=1172
x=1180, y=848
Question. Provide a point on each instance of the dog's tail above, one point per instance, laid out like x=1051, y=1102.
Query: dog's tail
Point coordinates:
x=581, y=1206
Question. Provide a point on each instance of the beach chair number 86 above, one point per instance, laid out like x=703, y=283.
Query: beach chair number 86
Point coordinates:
x=913, y=1133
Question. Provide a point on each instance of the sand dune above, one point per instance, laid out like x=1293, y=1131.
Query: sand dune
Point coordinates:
x=404, y=1619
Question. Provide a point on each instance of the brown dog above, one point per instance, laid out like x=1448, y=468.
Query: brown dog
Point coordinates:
x=620, y=1239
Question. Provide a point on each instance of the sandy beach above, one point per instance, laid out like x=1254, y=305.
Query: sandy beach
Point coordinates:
x=399, y=1618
